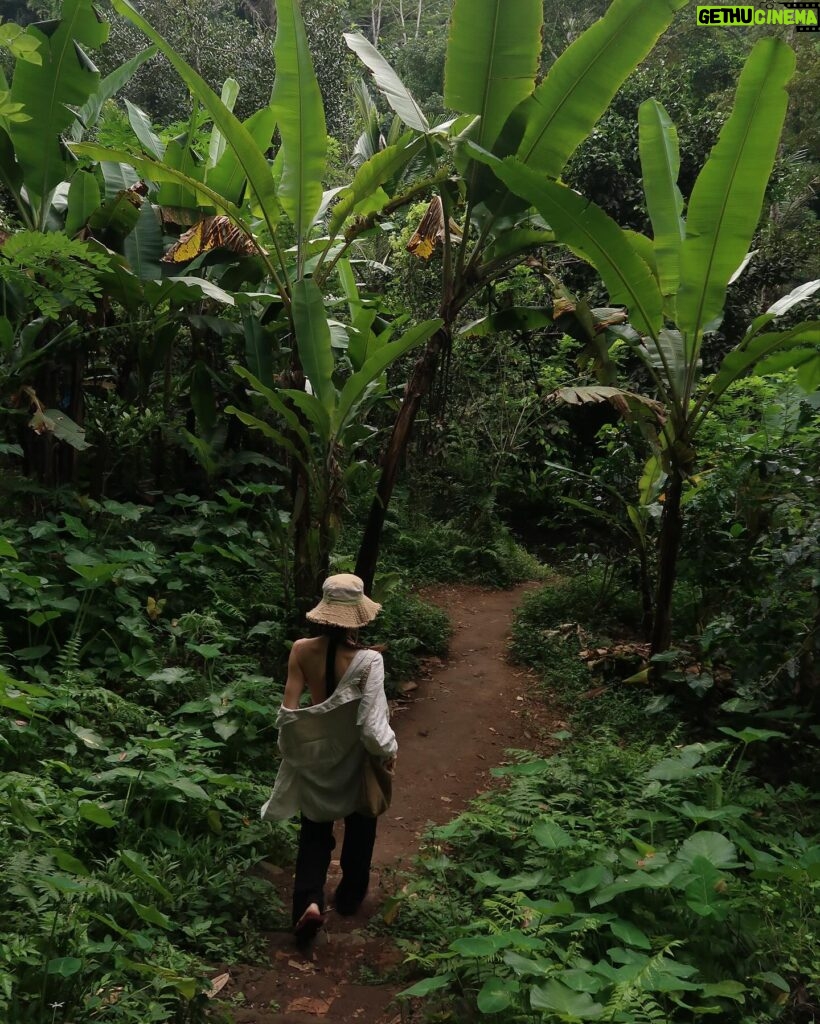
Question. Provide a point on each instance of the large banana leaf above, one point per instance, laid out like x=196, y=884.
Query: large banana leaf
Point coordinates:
x=89, y=113
x=492, y=58
x=297, y=104
x=83, y=199
x=281, y=408
x=65, y=78
x=252, y=160
x=580, y=85
x=725, y=205
x=389, y=83
x=355, y=386
x=660, y=164
x=144, y=245
x=804, y=337
x=143, y=129
x=216, y=143
x=228, y=176
x=595, y=237
x=371, y=175
x=313, y=339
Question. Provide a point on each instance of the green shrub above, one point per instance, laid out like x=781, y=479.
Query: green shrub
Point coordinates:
x=624, y=884
x=410, y=629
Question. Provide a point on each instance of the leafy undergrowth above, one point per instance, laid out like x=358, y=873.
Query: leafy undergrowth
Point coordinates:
x=651, y=883
x=141, y=656
x=625, y=879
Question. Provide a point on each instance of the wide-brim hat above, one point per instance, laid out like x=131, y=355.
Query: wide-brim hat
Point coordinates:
x=344, y=603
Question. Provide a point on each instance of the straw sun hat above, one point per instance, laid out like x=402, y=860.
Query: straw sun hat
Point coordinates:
x=344, y=603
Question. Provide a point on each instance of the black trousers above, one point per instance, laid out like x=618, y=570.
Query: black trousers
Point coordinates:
x=316, y=843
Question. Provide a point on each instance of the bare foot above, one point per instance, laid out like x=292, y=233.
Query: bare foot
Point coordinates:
x=309, y=923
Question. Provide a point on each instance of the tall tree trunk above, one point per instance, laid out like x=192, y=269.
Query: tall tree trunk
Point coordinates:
x=376, y=20
x=671, y=529
x=417, y=387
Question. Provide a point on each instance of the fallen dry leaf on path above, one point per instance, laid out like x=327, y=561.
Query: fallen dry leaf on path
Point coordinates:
x=217, y=984
x=306, y=1004
x=303, y=966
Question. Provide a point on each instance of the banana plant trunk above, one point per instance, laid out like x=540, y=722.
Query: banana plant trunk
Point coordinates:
x=670, y=537
x=417, y=387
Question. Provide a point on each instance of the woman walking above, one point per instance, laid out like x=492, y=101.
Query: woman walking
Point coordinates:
x=324, y=746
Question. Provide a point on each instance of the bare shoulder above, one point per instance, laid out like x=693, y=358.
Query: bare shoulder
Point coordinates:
x=303, y=649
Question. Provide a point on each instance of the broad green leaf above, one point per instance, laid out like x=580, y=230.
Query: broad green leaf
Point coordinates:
x=712, y=846
x=6, y=549
x=143, y=129
x=628, y=933
x=64, y=966
x=89, y=113
x=660, y=165
x=746, y=356
x=752, y=735
x=190, y=788
x=496, y=994
x=144, y=245
x=83, y=199
x=297, y=103
x=95, y=813
x=587, y=878
x=313, y=340
x=388, y=82
x=47, y=91
x=276, y=401
x=479, y=946
x=180, y=156
x=68, y=862
x=137, y=866
x=90, y=738
x=727, y=990
x=567, y=1004
x=153, y=170
x=725, y=205
x=216, y=144
x=516, y=318
x=551, y=836
x=492, y=58
x=375, y=365
x=798, y=294
x=313, y=409
x=371, y=175
x=275, y=435
x=667, y=355
x=580, y=85
x=151, y=915
x=253, y=161
x=703, y=883
x=228, y=176
x=425, y=987
x=595, y=237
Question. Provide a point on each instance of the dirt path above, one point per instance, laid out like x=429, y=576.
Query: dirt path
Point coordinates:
x=452, y=730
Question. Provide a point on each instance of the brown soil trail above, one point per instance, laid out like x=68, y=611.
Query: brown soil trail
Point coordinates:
x=452, y=730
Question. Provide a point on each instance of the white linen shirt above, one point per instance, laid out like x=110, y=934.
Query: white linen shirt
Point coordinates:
x=323, y=746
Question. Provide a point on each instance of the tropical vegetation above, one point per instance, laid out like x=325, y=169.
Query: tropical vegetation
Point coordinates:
x=436, y=292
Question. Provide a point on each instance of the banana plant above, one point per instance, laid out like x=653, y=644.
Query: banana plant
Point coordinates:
x=322, y=430
x=674, y=284
x=274, y=203
x=491, y=66
x=490, y=81
x=55, y=94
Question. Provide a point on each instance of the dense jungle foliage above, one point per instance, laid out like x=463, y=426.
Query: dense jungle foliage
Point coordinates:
x=435, y=291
